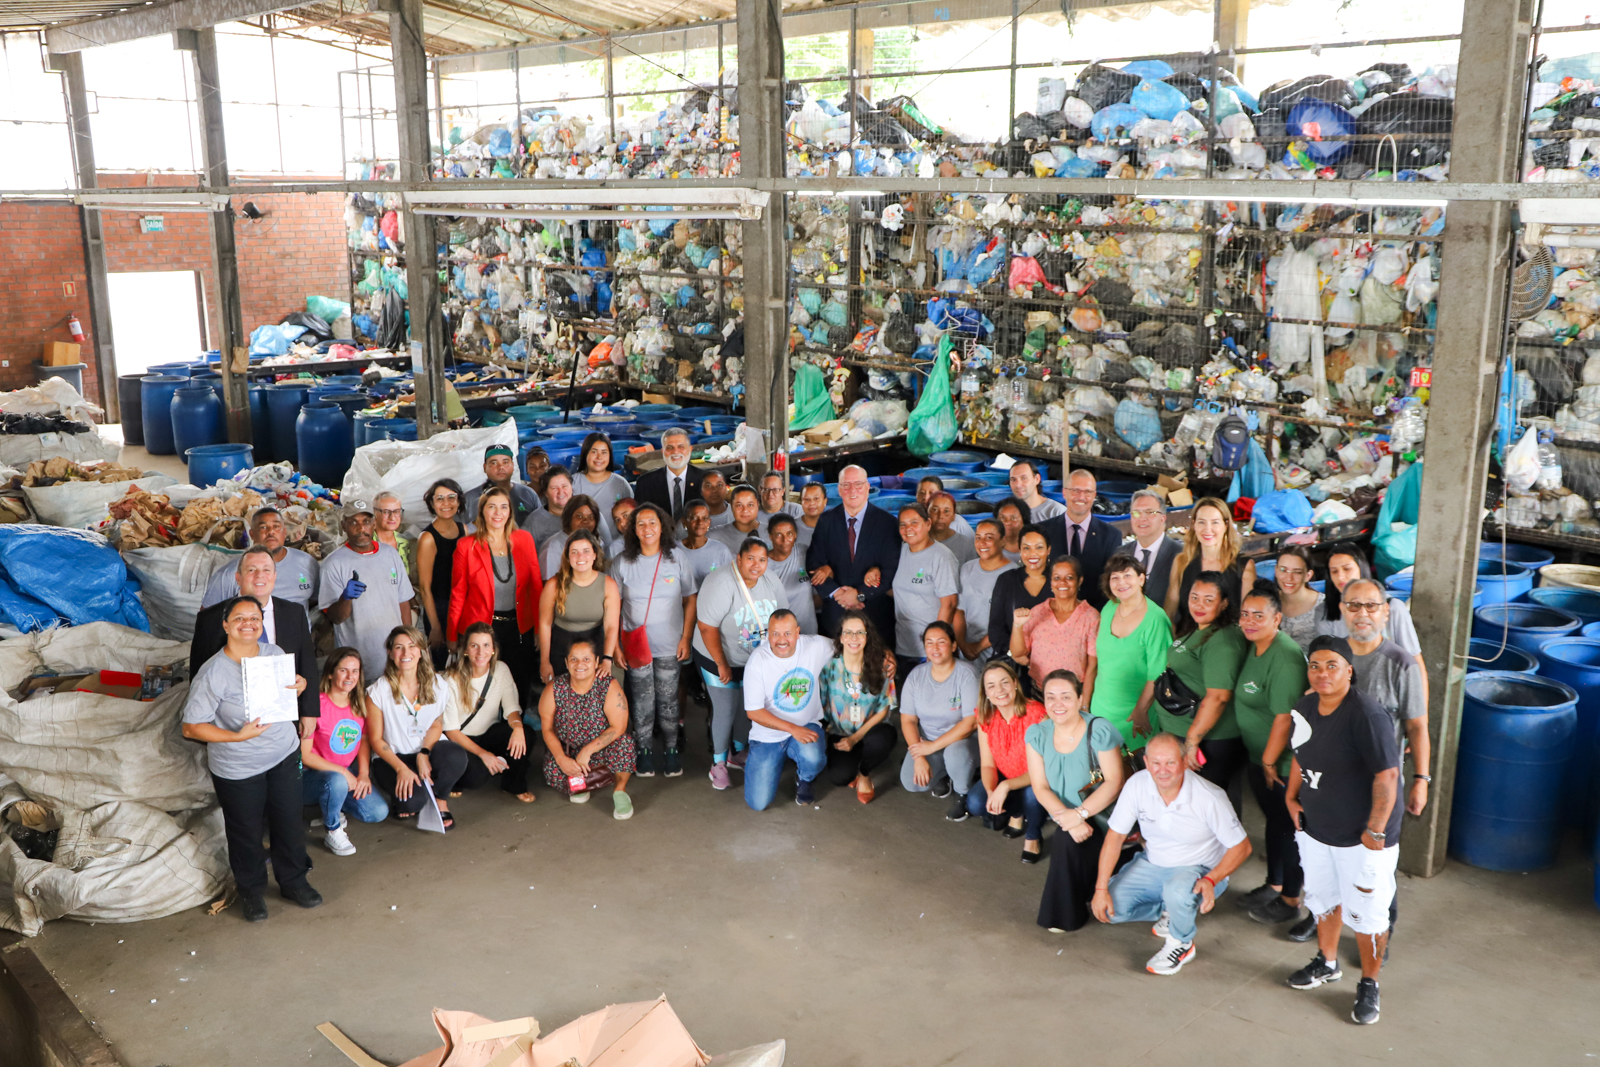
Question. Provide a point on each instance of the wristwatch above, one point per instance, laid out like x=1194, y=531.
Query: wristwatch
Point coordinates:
x=1423, y=778
x=1082, y=813
x=424, y=751
x=1376, y=835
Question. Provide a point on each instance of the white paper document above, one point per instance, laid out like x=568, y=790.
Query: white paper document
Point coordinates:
x=429, y=818
x=268, y=691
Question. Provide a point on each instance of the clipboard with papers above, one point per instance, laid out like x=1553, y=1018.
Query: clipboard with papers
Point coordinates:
x=269, y=688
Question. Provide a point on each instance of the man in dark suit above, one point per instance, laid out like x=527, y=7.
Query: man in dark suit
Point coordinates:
x=672, y=486
x=286, y=627
x=1149, y=543
x=1080, y=532
x=855, y=550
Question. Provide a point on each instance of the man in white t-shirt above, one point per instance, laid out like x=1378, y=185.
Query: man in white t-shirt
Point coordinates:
x=783, y=697
x=1192, y=842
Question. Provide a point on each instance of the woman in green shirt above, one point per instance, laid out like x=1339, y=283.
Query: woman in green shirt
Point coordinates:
x=1271, y=679
x=1131, y=650
x=1204, y=660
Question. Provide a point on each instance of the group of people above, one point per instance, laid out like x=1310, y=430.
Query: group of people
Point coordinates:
x=1038, y=666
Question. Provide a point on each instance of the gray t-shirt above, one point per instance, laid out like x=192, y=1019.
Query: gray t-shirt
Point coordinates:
x=297, y=581
x=797, y=587
x=664, y=622
x=524, y=502
x=605, y=494
x=1394, y=682
x=731, y=537
x=375, y=613
x=721, y=604
x=939, y=705
x=962, y=548
x=723, y=519
x=709, y=557
x=216, y=695
x=804, y=534
x=1046, y=509
x=920, y=581
x=1399, y=629
x=543, y=525
x=977, y=589
x=505, y=582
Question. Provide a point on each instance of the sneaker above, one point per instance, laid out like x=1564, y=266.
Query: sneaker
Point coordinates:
x=623, y=805
x=674, y=764
x=958, y=809
x=1304, y=930
x=737, y=761
x=645, y=764
x=579, y=798
x=1366, y=1010
x=252, y=907
x=1259, y=895
x=1161, y=929
x=1319, y=971
x=1274, y=911
x=338, y=842
x=941, y=789
x=720, y=778
x=1170, y=960
x=802, y=793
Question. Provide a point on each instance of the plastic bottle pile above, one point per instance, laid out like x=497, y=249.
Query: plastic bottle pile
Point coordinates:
x=1564, y=127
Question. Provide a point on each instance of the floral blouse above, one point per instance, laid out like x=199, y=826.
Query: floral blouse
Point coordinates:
x=846, y=704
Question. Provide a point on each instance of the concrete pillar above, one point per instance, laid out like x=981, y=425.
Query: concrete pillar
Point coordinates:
x=235, y=340
x=766, y=246
x=422, y=267
x=1233, y=23
x=1479, y=238
x=70, y=64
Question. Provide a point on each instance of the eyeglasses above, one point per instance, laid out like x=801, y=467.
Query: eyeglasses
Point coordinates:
x=852, y=633
x=1082, y=492
x=1363, y=607
x=1146, y=514
x=852, y=485
x=392, y=511
x=444, y=496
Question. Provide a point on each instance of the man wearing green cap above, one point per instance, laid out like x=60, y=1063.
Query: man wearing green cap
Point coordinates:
x=499, y=467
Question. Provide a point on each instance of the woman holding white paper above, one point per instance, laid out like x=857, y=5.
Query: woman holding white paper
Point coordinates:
x=406, y=727
x=255, y=764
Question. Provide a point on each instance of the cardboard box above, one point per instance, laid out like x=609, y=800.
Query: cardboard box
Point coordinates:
x=657, y=398
x=59, y=354
x=825, y=433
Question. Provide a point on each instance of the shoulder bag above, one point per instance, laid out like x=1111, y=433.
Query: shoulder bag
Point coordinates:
x=1097, y=775
x=1175, y=697
x=635, y=643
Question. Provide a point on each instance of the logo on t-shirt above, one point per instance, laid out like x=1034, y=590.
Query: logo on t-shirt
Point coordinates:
x=344, y=737
x=793, y=691
x=1251, y=686
x=1301, y=732
x=305, y=583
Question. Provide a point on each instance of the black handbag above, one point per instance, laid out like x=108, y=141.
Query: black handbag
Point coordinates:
x=1174, y=696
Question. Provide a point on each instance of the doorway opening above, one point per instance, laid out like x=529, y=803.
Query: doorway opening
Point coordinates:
x=156, y=317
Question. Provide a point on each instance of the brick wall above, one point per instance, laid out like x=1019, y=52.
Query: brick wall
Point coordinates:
x=41, y=250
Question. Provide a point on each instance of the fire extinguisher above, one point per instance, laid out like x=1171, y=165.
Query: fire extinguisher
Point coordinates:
x=76, y=328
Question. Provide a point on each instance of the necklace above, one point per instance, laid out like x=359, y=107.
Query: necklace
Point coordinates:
x=494, y=562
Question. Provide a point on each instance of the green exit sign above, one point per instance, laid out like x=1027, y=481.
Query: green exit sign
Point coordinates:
x=152, y=224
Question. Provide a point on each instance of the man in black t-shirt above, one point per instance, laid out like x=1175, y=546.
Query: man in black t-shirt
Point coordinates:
x=1342, y=796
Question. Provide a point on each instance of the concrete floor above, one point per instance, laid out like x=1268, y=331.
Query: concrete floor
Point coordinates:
x=136, y=456
x=880, y=935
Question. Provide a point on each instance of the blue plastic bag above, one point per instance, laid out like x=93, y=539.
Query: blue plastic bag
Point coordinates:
x=1148, y=68
x=499, y=142
x=1280, y=510
x=75, y=572
x=1078, y=168
x=1159, y=100
x=1137, y=424
x=1109, y=120
x=1395, y=550
x=273, y=340
x=1320, y=123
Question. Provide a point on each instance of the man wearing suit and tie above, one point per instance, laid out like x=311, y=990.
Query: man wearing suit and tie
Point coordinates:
x=285, y=625
x=1080, y=532
x=853, y=556
x=1150, y=544
x=672, y=486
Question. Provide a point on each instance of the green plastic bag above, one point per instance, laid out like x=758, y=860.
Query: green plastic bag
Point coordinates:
x=327, y=308
x=1395, y=550
x=933, y=425
x=811, y=401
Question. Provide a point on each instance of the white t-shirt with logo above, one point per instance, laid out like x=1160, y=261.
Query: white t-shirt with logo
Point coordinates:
x=790, y=688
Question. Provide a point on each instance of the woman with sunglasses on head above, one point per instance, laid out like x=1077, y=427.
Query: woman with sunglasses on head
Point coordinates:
x=977, y=581
x=1302, y=605
x=436, y=549
x=731, y=612
x=1013, y=517
x=485, y=719
x=406, y=728
x=925, y=587
x=1211, y=543
x=600, y=482
x=858, y=694
x=658, y=613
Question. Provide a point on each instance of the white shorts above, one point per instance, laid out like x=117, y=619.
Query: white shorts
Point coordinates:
x=1356, y=878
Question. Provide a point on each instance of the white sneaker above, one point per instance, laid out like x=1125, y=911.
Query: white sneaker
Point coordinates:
x=338, y=842
x=578, y=798
x=1160, y=929
x=1170, y=960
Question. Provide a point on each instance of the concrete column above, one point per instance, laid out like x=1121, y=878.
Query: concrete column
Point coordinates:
x=1233, y=23
x=104, y=358
x=422, y=267
x=235, y=340
x=766, y=246
x=1479, y=238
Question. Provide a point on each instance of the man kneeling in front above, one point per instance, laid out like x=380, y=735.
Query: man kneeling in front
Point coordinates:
x=1192, y=842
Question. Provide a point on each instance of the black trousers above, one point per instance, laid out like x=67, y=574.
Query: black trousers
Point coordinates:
x=1069, y=886
x=871, y=753
x=1224, y=760
x=271, y=800
x=449, y=762
x=1283, y=855
x=496, y=739
x=520, y=651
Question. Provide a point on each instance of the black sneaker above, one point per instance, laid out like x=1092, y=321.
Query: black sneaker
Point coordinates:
x=1259, y=895
x=958, y=809
x=1274, y=911
x=302, y=894
x=1319, y=971
x=802, y=793
x=1304, y=930
x=674, y=764
x=253, y=907
x=1366, y=1010
x=940, y=790
x=645, y=763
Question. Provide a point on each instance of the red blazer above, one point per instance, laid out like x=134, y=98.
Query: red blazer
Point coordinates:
x=472, y=584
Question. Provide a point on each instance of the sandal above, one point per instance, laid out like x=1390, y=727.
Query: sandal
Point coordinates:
x=455, y=794
x=526, y=798
x=448, y=819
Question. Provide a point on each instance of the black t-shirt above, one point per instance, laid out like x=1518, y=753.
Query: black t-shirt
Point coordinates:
x=1339, y=755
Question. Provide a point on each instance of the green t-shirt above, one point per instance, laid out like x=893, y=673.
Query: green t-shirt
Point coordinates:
x=1268, y=686
x=1126, y=665
x=1206, y=659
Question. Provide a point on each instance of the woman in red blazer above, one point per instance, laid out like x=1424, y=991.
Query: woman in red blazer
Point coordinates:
x=495, y=579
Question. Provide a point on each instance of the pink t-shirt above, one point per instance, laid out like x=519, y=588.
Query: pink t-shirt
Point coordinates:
x=1053, y=645
x=338, y=733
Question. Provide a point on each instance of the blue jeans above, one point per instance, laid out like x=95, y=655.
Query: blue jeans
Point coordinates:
x=1018, y=802
x=1141, y=891
x=766, y=764
x=331, y=793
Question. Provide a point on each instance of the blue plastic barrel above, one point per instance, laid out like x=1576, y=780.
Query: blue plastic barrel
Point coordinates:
x=1503, y=582
x=210, y=464
x=260, y=420
x=197, y=418
x=350, y=382
x=359, y=426
x=1576, y=661
x=179, y=369
x=1530, y=556
x=391, y=430
x=350, y=404
x=993, y=496
x=213, y=379
x=323, y=441
x=700, y=412
x=155, y=410
x=1584, y=603
x=1489, y=656
x=1120, y=491
x=1516, y=737
x=1399, y=585
x=284, y=400
x=963, y=488
x=992, y=477
x=1591, y=630
x=965, y=462
x=1528, y=626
